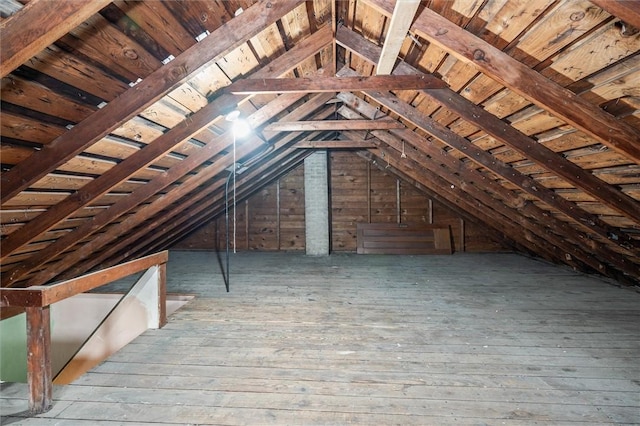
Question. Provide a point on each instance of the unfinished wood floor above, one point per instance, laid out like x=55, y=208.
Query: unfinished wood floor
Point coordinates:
x=348, y=339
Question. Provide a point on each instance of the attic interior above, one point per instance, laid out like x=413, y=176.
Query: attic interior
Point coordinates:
x=512, y=125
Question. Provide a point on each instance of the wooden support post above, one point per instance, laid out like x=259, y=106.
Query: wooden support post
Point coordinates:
x=39, y=376
x=162, y=295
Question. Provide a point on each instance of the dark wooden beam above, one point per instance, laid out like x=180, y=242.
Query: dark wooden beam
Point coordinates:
x=485, y=190
x=628, y=11
x=523, y=80
x=176, y=172
x=253, y=20
x=194, y=123
x=335, y=144
x=504, y=171
x=255, y=86
x=37, y=25
x=308, y=126
x=505, y=133
x=174, y=205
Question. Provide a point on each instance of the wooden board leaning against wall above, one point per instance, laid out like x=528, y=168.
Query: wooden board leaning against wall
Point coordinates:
x=360, y=192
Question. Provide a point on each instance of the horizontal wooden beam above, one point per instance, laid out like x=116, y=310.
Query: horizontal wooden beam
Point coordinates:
x=334, y=84
x=338, y=144
x=41, y=296
x=307, y=126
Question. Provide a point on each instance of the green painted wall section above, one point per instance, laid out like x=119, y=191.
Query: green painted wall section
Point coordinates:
x=13, y=349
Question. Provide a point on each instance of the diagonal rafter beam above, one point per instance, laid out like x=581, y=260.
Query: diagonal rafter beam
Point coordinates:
x=403, y=14
x=333, y=84
x=190, y=126
x=174, y=205
x=523, y=80
x=194, y=123
x=550, y=160
x=37, y=25
x=248, y=24
x=574, y=244
x=486, y=159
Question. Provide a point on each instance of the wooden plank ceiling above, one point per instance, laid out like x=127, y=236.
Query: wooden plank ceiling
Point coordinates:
x=523, y=114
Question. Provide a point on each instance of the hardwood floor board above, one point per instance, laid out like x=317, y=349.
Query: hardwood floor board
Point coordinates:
x=150, y=405
x=347, y=339
x=462, y=392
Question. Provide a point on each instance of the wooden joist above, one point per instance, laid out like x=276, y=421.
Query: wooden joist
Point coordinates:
x=84, y=134
x=403, y=13
x=510, y=136
x=37, y=25
x=523, y=80
x=627, y=11
x=307, y=126
x=335, y=144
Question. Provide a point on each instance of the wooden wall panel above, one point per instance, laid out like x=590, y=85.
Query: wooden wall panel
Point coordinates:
x=349, y=198
x=292, y=224
x=360, y=193
x=263, y=219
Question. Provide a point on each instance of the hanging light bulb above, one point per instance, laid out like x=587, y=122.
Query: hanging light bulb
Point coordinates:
x=241, y=128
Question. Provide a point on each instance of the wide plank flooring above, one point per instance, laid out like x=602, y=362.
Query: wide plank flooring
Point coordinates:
x=468, y=339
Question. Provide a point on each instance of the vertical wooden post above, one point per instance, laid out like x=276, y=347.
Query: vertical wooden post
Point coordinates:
x=462, y=235
x=162, y=295
x=39, y=376
x=246, y=224
x=398, y=206
x=368, y=192
x=278, y=214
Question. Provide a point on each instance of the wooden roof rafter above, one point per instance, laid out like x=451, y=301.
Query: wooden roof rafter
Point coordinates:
x=552, y=228
x=500, y=130
x=530, y=84
x=181, y=202
x=191, y=125
x=37, y=25
x=84, y=134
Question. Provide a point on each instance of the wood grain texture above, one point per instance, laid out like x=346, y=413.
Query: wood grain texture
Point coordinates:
x=223, y=40
x=447, y=340
x=39, y=373
x=403, y=238
x=565, y=104
x=334, y=84
x=37, y=25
